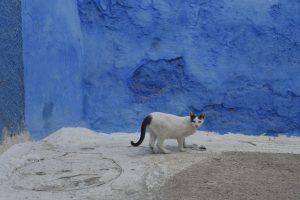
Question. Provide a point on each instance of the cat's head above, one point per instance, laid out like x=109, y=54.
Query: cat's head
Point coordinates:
x=197, y=121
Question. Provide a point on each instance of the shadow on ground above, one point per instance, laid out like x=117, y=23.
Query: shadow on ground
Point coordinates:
x=236, y=176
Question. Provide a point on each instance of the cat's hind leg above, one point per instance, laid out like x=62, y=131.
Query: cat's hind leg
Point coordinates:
x=181, y=144
x=160, y=143
x=184, y=143
x=152, y=141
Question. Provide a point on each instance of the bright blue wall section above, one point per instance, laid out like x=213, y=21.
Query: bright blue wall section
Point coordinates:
x=11, y=69
x=238, y=61
x=52, y=58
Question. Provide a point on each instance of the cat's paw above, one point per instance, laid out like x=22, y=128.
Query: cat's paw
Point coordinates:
x=183, y=149
x=165, y=151
x=153, y=150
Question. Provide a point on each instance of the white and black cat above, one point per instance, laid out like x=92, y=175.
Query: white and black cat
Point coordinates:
x=163, y=126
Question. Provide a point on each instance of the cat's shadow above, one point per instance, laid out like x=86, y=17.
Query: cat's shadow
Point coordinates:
x=143, y=151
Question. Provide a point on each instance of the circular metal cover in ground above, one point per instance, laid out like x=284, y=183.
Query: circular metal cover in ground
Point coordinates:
x=70, y=171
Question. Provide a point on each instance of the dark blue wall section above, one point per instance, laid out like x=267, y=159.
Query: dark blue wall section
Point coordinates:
x=238, y=61
x=111, y=62
x=11, y=69
x=52, y=59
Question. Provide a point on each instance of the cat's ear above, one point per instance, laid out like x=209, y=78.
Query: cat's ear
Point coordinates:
x=202, y=116
x=192, y=116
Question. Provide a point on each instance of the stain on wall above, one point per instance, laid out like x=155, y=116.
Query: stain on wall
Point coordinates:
x=156, y=78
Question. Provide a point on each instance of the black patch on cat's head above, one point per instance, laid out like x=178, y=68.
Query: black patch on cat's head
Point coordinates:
x=202, y=116
x=192, y=116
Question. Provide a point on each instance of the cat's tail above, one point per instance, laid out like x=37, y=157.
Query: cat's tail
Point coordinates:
x=145, y=123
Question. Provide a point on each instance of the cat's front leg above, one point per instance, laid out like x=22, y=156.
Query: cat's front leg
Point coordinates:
x=181, y=142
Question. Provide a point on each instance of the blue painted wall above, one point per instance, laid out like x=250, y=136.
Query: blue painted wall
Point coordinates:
x=11, y=69
x=238, y=61
x=53, y=65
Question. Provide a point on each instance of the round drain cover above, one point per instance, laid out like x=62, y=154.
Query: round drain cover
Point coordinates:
x=71, y=171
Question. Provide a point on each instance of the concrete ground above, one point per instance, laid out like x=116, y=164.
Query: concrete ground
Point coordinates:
x=79, y=164
x=238, y=176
